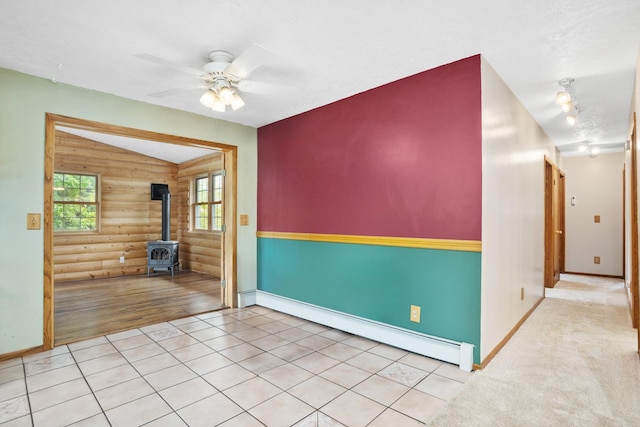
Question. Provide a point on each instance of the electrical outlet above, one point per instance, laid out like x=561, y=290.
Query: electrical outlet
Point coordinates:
x=244, y=219
x=596, y=260
x=122, y=259
x=414, y=316
x=596, y=218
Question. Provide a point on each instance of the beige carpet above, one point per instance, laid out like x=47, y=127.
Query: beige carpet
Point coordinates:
x=572, y=363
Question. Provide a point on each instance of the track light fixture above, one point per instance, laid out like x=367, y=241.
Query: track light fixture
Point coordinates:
x=588, y=148
x=220, y=94
x=567, y=101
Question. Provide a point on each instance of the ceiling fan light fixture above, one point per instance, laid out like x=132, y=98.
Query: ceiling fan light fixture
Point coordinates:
x=208, y=98
x=225, y=94
x=572, y=118
x=563, y=97
x=237, y=102
x=567, y=106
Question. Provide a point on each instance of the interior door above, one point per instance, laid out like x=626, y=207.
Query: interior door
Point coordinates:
x=553, y=224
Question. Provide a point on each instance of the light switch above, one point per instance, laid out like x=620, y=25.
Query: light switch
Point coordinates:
x=33, y=221
x=244, y=219
x=596, y=218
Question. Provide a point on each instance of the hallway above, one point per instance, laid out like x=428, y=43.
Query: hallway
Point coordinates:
x=573, y=362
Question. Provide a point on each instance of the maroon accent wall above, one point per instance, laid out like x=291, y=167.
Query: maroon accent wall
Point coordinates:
x=401, y=160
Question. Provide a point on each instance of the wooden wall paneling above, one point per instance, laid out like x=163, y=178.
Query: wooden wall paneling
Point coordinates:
x=128, y=216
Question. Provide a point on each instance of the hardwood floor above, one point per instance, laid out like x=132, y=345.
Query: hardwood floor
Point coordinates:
x=90, y=308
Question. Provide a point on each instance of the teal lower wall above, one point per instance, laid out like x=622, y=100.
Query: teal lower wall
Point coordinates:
x=379, y=283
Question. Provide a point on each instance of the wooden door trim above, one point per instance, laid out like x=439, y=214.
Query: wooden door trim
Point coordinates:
x=230, y=153
x=633, y=191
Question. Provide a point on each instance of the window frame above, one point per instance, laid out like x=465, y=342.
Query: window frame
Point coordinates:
x=211, y=202
x=96, y=203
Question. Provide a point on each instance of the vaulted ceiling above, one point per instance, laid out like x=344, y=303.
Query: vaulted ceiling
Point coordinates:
x=324, y=51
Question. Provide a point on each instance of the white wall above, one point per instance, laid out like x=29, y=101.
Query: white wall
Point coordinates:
x=23, y=104
x=513, y=151
x=596, y=184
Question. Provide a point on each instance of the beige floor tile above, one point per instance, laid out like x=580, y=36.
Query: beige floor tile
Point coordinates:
x=165, y=334
x=291, y=352
x=53, y=377
x=208, y=363
x=314, y=328
x=193, y=326
x=122, y=393
x=269, y=342
x=359, y=342
x=67, y=412
x=142, y=352
x=281, y=411
x=123, y=335
x=51, y=396
x=180, y=341
x=16, y=361
x=131, y=342
x=138, y=412
x=318, y=419
x=98, y=420
x=418, y=405
x=12, y=389
x=286, y=376
x=274, y=327
x=250, y=334
x=340, y=351
x=191, y=352
x=47, y=364
x=345, y=375
x=188, y=392
x=382, y=390
x=403, y=374
x=316, y=391
x=423, y=363
x=210, y=411
x=336, y=335
x=207, y=334
x=92, y=352
x=228, y=376
x=454, y=372
x=315, y=362
x=353, y=410
x=185, y=321
x=235, y=326
x=440, y=387
x=14, y=408
x=387, y=351
x=252, y=392
x=241, y=352
x=155, y=363
x=111, y=377
x=24, y=421
x=295, y=321
x=169, y=377
x=258, y=320
x=393, y=418
x=170, y=420
x=261, y=363
x=102, y=363
x=242, y=420
x=223, y=342
x=157, y=327
x=11, y=373
x=315, y=342
x=369, y=362
x=74, y=346
x=294, y=334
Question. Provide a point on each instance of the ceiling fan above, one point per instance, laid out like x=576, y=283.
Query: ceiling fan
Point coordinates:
x=221, y=76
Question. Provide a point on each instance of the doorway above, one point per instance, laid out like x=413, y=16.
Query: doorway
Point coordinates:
x=228, y=238
x=554, y=226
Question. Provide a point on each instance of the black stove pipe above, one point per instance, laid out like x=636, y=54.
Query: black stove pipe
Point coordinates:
x=166, y=216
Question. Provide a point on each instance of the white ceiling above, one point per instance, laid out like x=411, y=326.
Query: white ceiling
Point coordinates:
x=327, y=50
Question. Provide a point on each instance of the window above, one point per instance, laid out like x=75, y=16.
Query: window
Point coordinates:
x=75, y=202
x=207, y=205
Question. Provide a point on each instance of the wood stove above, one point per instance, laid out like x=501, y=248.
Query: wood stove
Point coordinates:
x=163, y=254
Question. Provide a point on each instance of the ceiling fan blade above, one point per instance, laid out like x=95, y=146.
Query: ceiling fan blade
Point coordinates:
x=248, y=61
x=166, y=63
x=177, y=91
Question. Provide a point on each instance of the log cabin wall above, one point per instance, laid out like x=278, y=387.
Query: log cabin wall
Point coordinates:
x=200, y=251
x=128, y=217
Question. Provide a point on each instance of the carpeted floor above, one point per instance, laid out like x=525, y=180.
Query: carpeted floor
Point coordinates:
x=574, y=362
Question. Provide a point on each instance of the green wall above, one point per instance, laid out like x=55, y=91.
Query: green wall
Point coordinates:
x=379, y=283
x=24, y=101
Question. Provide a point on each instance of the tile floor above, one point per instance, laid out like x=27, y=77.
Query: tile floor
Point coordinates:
x=237, y=367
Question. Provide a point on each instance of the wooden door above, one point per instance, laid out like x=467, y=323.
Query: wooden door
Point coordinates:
x=554, y=224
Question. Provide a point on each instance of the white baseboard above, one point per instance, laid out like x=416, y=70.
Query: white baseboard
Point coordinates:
x=438, y=348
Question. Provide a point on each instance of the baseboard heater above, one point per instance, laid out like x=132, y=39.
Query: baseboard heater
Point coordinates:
x=458, y=353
